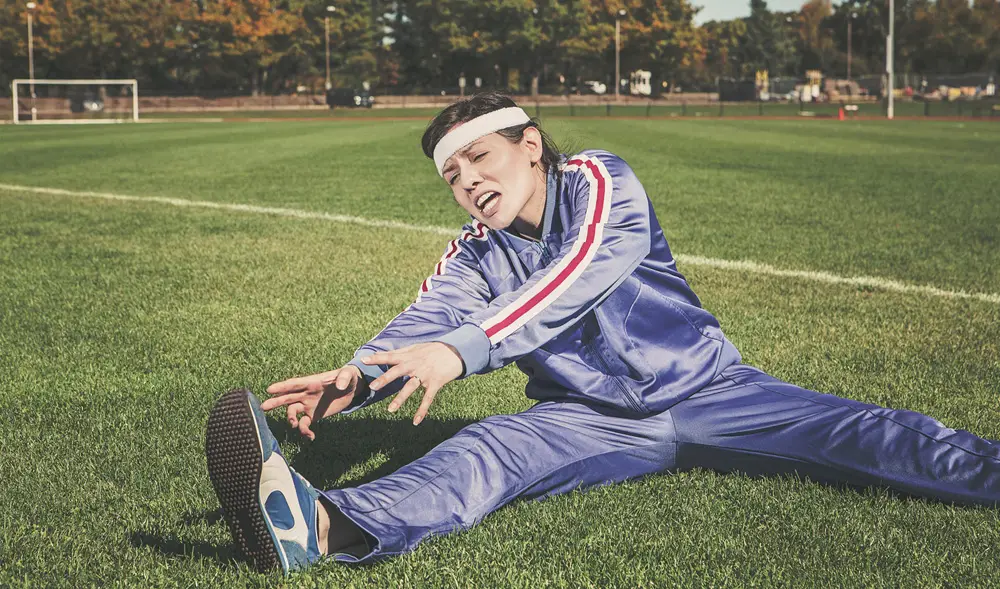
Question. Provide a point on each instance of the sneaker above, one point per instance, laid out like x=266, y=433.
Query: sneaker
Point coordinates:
x=270, y=508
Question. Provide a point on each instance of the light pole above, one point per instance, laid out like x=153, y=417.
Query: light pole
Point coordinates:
x=326, y=23
x=31, y=60
x=850, y=22
x=618, y=35
x=889, y=67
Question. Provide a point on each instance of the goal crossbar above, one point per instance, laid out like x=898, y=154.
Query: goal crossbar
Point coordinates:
x=36, y=82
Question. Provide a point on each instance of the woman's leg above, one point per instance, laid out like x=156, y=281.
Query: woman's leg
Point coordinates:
x=753, y=423
x=552, y=448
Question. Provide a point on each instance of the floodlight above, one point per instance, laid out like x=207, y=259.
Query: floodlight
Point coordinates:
x=331, y=9
x=31, y=5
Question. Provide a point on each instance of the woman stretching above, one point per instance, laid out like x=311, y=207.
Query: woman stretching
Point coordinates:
x=565, y=271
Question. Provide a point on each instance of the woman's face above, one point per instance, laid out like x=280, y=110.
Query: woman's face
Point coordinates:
x=495, y=179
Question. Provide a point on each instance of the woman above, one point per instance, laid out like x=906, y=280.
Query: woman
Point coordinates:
x=564, y=270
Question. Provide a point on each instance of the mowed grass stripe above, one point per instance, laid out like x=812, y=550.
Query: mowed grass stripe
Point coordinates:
x=686, y=259
x=916, y=201
x=242, y=208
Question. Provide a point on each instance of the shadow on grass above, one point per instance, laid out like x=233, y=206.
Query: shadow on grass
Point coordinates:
x=340, y=444
x=171, y=545
x=345, y=443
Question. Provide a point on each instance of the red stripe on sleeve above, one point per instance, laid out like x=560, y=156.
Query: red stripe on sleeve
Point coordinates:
x=590, y=230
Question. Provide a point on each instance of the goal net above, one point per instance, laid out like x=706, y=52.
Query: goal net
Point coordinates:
x=75, y=101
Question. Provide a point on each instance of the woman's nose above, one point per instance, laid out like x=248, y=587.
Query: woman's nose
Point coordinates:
x=471, y=179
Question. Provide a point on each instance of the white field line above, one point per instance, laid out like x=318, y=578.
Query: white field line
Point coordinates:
x=864, y=281
x=225, y=206
x=692, y=260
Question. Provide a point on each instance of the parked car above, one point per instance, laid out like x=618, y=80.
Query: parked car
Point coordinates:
x=595, y=86
x=349, y=97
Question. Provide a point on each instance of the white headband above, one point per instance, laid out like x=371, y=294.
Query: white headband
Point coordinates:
x=478, y=127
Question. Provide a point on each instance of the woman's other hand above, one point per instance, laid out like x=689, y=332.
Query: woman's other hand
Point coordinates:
x=311, y=398
x=430, y=366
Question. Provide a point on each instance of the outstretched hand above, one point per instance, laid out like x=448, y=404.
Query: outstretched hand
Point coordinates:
x=311, y=398
x=430, y=366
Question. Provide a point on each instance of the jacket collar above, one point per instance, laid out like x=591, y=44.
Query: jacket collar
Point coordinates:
x=552, y=179
x=551, y=196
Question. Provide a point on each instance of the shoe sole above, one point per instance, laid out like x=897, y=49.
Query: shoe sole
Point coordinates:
x=233, y=452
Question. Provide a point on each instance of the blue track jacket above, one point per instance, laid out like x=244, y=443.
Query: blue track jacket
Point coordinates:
x=596, y=311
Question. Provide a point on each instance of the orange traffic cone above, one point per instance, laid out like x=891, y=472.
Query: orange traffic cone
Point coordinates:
x=840, y=114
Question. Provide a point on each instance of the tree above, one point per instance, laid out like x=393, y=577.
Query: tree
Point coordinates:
x=768, y=43
x=421, y=32
x=355, y=42
x=870, y=27
x=816, y=47
x=586, y=41
x=722, y=40
x=986, y=18
x=660, y=36
x=957, y=41
x=14, y=41
x=243, y=38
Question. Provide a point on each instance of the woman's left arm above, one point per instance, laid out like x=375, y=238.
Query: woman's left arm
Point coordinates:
x=609, y=237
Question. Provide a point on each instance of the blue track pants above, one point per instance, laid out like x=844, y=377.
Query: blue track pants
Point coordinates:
x=744, y=421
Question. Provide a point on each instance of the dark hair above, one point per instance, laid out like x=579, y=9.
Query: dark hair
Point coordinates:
x=467, y=109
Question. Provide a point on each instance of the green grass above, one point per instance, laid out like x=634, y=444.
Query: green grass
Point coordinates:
x=120, y=323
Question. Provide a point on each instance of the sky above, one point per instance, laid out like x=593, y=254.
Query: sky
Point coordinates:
x=730, y=9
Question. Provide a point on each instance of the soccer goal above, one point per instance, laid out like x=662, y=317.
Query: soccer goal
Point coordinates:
x=75, y=101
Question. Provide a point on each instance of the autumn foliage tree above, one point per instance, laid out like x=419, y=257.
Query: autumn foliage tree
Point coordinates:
x=277, y=46
x=245, y=37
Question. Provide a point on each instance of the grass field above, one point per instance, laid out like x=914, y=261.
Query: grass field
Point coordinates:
x=121, y=323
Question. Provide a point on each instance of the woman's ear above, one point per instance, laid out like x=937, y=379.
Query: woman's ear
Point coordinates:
x=531, y=143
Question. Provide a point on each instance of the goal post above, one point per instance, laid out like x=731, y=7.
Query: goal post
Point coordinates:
x=80, y=101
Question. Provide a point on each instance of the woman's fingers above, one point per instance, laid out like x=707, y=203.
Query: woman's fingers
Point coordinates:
x=303, y=384
x=380, y=358
x=293, y=412
x=292, y=385
x=392, y=357
x=304, y=427
x=408, y=389
x=283, y=400
x=425, y=404
x=345, y=379
x=389, y=376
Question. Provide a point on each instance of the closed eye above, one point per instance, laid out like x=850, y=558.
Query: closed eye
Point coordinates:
x=451, y=181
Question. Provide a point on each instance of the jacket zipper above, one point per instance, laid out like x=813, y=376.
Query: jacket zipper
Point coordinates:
x=622, y=389
x=543, y=251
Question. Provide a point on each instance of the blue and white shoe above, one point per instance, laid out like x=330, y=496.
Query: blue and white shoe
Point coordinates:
x=270, y=508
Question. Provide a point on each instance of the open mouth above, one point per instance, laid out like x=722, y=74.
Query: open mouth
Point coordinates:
x=488, y=202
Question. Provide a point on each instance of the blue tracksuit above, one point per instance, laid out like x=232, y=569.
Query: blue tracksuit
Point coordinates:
x=632, y=376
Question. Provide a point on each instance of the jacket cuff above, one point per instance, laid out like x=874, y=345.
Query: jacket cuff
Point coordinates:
x=473, y=346
x=369, y=373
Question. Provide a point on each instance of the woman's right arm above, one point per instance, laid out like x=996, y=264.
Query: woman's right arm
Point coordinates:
x=455, y=290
